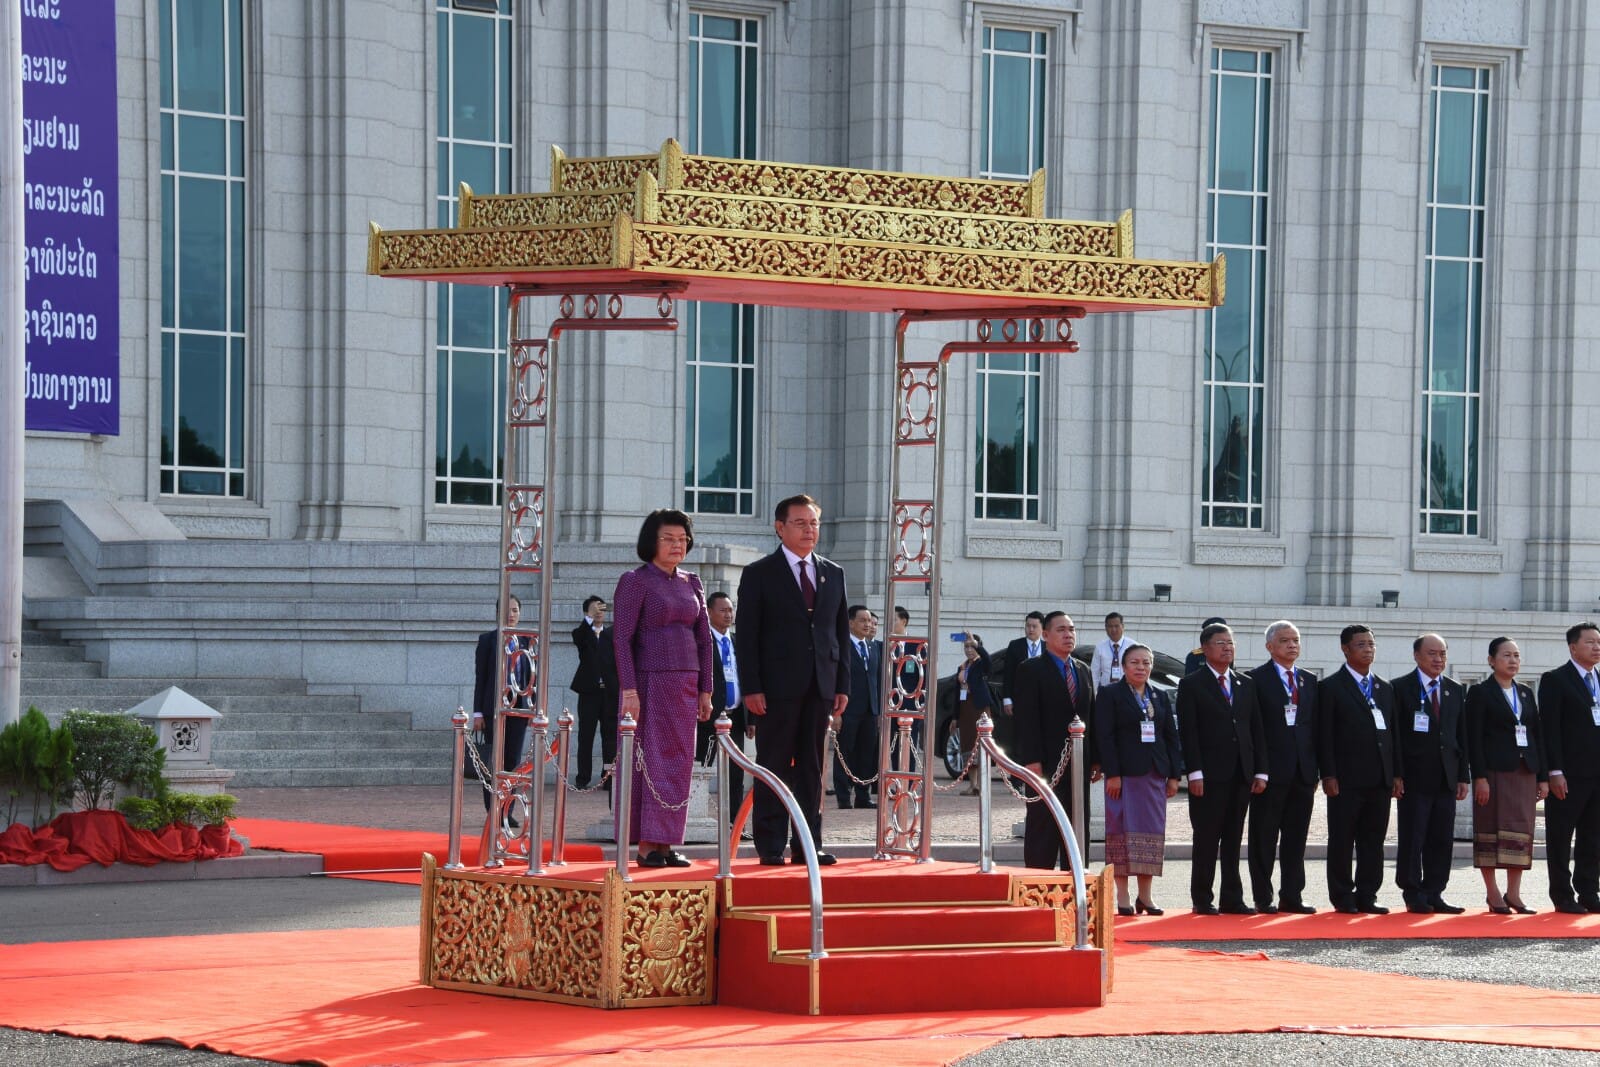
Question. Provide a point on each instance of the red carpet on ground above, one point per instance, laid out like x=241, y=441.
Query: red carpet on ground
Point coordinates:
x=1329, y=924
x=348, y=997
x=397, y=853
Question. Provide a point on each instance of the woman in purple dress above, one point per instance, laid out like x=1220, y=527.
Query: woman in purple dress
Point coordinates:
x=663, y=643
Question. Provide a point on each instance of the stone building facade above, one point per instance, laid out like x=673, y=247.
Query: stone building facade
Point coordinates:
x=1390, y=405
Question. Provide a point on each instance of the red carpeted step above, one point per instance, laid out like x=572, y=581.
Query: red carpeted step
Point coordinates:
x=867, y=881
x=952, y=980
x=853, y=928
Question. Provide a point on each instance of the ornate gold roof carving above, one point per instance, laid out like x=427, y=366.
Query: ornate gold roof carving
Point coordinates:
x=751, y=221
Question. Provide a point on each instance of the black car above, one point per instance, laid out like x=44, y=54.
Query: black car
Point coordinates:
x=1168, y=670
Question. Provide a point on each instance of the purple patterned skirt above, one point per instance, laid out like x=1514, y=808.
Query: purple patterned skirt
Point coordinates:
x=668, y=704
x=1136, y=825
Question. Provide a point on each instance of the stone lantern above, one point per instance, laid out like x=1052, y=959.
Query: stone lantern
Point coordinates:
x=184, y=726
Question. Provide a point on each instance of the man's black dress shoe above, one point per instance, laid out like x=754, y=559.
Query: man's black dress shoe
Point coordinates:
x=1267, y=909
x=845, y=805
x=1347, y=909
x=1444, y=907
x=1238, y=909
x=772, y=861
x=1206, y=909
x=866, y=804
x=1298, y=908
x=1591, y=903
x=1418, y=908
x=824, y=859
x=1571, y=907
x=1372, y=908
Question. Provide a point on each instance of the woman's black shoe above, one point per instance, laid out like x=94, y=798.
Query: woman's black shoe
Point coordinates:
x=651, y=859
x=670, y=858
x=1140, y=905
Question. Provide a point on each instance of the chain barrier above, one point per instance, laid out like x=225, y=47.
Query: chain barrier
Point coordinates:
x=644, y=774
x=486, y=776
x=916, y=768
x=838, y=754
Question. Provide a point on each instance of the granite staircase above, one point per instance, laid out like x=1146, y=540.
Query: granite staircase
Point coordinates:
x=272, y=732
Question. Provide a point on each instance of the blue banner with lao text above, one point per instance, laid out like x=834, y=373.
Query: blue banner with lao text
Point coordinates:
x=69, y=146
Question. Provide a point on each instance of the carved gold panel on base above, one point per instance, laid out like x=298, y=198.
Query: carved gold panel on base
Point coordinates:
x=606, y=943
x=1054, y=890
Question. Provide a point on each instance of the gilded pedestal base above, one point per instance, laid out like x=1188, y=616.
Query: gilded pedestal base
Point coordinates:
x=606, y=943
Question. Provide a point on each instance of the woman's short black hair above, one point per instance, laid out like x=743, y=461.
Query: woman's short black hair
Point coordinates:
x=1494, y=646
x=650, y=531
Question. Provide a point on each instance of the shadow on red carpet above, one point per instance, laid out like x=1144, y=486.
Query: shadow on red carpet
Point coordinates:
x=1330, y=925
x=348, y=997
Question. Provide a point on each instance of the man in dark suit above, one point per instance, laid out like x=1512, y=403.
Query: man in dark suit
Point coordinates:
x=595, y=682
x=1219, y=725
x=724, y=697
x=1280, y=816
x=1569, y=706
x=487, y=694
x=792, y=639
x=1356, y=750
x=1029, y=646
x=1048, y=692
x=1430, y=712
x=858, y=728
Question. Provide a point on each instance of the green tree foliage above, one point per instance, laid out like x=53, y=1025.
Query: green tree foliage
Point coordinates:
x=36, y=768
x=114, y=750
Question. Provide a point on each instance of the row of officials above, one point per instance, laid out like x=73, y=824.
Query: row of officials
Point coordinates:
x=1256, y=745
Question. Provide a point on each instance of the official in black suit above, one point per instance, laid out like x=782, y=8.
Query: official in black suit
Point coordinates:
x=1356, y=752
x=1569, y=704
x=1430, y=709
x=1137, y=740
x=1280, y=816
x=724, y=697
x=487, y=695
x=1506, y=747
x=1219, y=724
x=1197, y=656
x=858, y=727
x=595, y=682
x=1048, y=692
x=792, y=638
x=1018, y=652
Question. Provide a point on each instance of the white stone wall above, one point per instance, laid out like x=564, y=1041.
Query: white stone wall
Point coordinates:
x=342, y=403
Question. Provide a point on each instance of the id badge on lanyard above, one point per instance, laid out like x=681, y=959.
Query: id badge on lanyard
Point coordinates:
x=1290, y=713
x=1377, y=717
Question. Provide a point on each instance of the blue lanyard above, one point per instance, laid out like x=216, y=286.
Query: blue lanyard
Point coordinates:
x=1366, y=687
x=1516, y=705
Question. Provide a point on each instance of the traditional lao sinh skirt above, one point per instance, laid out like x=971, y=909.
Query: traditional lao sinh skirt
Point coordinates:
x=1136, y=825
x=1502, y=830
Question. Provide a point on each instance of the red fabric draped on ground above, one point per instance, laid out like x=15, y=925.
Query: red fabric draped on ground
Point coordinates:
x=78, y=838
x=346, y=997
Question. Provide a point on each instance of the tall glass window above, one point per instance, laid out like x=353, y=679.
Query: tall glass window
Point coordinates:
x=1234, y=392
x=202, y=248
x=473, y=146
x=1006, y=460
x=1453, y=292
x=719, y=400
x=1006, y=481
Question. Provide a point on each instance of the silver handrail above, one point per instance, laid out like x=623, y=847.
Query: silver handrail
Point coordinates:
x=534, y=831
x=558, y=828
x=624, y=777
x=727, y=750
x=458, y=772
x=987, y=750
